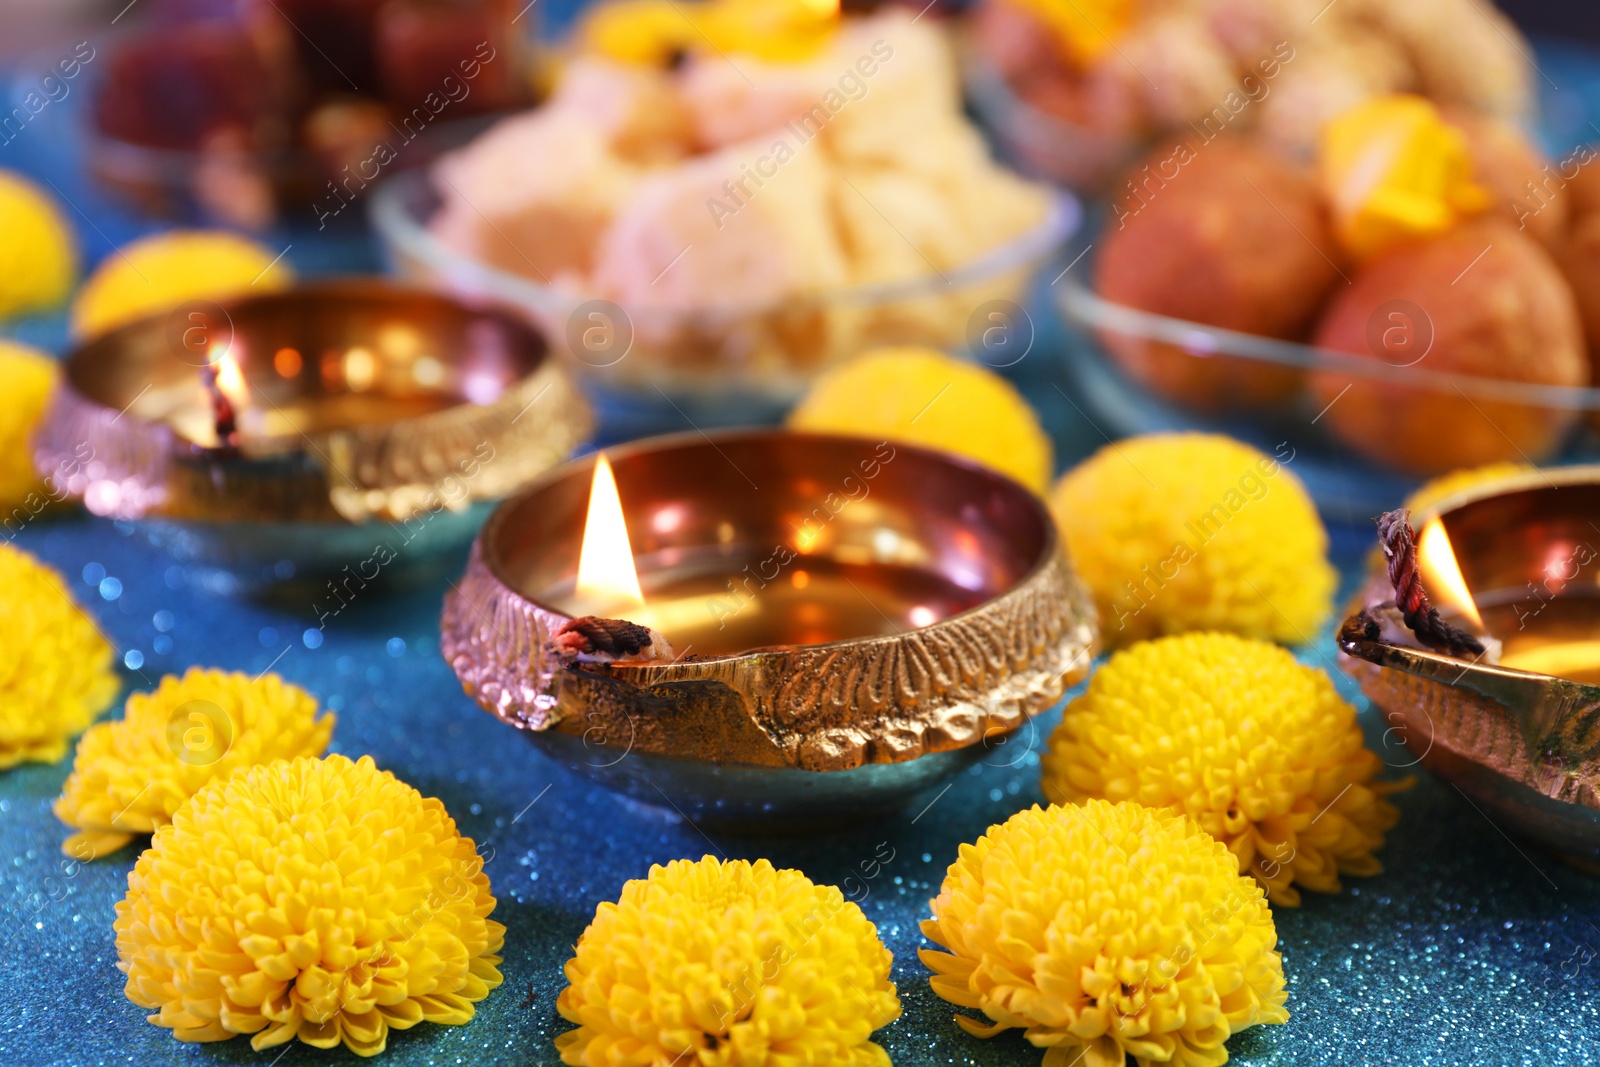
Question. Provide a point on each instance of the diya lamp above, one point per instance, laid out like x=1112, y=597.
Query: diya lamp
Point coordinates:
x=292, y=434
x=769, y=629
x=1479, y=641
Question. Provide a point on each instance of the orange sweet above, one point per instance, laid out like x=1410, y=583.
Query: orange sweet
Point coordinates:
x=1482, y=299
x=1224, y=233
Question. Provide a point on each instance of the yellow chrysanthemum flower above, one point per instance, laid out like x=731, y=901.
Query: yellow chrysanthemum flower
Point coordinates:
x=27, y=377
x=1253, y=745
x=923, y=397
x=160, y=272
x=37, y=257
x=320, y=899
x=55, y=668
x=727, y=963
x=1188, y=531
x=1106, y=931
x=132, y=774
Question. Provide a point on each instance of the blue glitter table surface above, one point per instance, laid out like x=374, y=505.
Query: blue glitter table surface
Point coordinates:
x=1469, y=948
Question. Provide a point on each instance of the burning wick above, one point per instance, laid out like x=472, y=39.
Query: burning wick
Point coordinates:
x=1400, y=550
x=221, y=377
x=607, y=576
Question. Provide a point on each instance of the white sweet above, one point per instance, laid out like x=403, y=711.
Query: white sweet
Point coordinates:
x=533, y=194
x=696, y=198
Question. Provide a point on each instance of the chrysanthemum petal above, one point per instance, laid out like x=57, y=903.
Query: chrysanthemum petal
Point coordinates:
x=92, y=844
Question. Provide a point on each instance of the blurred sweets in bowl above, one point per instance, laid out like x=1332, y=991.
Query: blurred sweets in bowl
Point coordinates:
x=237, y=110
x=1256, y=223
x=1580, y=255
x=1075, y=88
x=738, y=208
x=1412, y=297
x=1508, y=317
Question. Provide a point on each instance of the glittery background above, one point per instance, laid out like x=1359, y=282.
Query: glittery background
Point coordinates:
x=1469, y=948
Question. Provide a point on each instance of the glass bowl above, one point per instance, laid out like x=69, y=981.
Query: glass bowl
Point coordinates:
x=255, y=187
x=1362, y=431
x=720, y=365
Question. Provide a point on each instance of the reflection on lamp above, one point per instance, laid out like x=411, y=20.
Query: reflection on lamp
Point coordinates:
x=360, y=369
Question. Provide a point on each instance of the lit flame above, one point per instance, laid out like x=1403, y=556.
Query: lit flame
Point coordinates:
x=1443, y=573
x=230, y=379
x=606, y=574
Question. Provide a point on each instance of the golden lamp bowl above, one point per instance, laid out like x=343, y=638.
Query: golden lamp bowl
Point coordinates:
x=373, y=415
x=1520, y=737
x=854, y=621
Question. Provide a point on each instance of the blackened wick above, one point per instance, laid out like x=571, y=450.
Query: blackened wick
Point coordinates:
x=590, y=639
x=1399, y=544
x=222, y=413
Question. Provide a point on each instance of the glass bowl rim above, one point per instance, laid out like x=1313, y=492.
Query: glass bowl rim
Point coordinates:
x=1084, y=307
x=398, y=225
